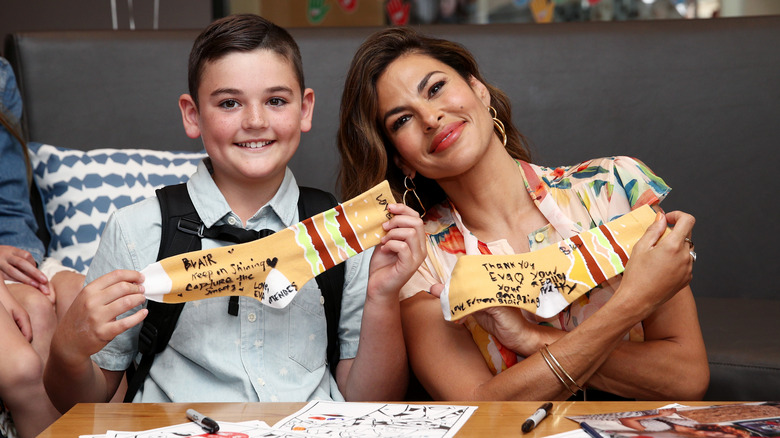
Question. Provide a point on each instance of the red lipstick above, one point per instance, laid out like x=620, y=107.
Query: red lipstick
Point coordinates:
x=447, y=136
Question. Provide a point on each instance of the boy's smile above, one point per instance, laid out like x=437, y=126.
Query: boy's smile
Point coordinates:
x=254, y=144
x=250, y=117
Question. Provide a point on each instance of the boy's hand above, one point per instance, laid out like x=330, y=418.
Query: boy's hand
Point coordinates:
x=399, y=254
x=19, y=265
x=91, y=322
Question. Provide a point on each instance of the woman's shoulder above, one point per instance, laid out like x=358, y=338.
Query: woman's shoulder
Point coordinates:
x=604, y=168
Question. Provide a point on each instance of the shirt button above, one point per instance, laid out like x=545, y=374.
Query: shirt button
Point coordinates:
x=251, y=317
x=232, y=220
x=260, y=382
x=322, y=300
x=539, y=237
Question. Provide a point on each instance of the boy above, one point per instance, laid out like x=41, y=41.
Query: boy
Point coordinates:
x=248, y=104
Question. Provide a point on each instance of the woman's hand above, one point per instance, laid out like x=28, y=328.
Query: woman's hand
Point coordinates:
x=659, y=266
x=507, y=325
x=399, y=254
x=19, y=265
x=511, y=329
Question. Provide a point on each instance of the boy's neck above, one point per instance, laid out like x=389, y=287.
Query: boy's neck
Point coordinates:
x=245, y=198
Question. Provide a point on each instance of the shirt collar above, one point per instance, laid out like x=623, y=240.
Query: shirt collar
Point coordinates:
x=285, y=202
x=212, y=206
x=539, y=191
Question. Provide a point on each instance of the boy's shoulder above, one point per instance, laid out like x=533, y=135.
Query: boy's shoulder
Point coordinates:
x=139, y=216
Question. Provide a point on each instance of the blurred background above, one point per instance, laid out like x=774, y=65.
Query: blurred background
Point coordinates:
x=18, y=15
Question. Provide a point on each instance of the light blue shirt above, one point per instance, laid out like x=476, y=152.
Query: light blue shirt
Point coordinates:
x=263, y=354
x=17, y=223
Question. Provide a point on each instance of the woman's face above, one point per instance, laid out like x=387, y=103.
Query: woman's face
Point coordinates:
x=438, y=122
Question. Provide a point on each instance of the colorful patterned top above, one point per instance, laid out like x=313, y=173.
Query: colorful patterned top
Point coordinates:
x=573, y=199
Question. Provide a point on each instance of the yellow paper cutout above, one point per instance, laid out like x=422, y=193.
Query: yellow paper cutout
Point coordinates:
x=545, y=281
x=273, y=269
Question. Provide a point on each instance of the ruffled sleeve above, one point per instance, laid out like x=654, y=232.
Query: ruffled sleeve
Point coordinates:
x=641, y=185
x=610, y=187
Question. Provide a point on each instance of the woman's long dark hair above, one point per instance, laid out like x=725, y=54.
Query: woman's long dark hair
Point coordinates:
x=366, y=152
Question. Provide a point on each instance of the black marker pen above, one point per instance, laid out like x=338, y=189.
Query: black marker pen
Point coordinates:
x=593, y=433
x=206, y=423
x=537, y=417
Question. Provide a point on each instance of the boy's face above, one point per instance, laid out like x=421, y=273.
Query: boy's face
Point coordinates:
x=250, y=117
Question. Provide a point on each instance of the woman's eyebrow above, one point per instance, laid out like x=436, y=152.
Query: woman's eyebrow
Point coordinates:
x=391, y=113
x=420, y=89
x=424, y=81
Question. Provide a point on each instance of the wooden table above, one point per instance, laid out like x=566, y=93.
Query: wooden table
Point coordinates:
x=496, y=419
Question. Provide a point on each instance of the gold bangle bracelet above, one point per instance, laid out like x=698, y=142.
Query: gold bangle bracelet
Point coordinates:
x=557, y=374
x=563, y=370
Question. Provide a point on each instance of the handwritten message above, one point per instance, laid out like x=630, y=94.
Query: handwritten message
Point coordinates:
x=547, y=280
x=273, y=269
x=516, y=283
x=230, y=279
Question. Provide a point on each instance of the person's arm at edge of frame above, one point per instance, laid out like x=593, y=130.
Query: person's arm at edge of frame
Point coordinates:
x=91, y=322
x=21, y=250
x=673, y=345
x=380, y=369
x=439, y=350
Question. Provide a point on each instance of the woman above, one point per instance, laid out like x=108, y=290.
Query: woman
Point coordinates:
x=416, y=111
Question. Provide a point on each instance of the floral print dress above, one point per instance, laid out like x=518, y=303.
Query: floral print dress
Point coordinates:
x=573, y=199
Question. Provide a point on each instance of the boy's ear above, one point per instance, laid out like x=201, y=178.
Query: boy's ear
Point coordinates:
x=189, y=116
x=307, y=109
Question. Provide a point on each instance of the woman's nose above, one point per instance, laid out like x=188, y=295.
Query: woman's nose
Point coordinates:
x=431, y=118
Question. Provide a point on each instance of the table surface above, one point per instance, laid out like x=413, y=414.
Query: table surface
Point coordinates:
x=491, y=418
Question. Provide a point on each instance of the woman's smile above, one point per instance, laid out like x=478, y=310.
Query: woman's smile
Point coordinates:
x=447, y=137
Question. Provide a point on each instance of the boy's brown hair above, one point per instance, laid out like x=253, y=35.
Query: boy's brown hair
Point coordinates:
x=240, y=33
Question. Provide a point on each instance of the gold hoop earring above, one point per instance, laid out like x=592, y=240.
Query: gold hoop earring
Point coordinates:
x=407, y=183
x=498, y=124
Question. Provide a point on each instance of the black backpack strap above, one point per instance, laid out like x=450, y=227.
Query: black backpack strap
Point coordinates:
x=182, y=231
x=178, y=218
x=331, y=282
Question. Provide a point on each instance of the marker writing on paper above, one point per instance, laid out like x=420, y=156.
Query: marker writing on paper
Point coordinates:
x=206, y=423
x=537, y=417
x=590, y=430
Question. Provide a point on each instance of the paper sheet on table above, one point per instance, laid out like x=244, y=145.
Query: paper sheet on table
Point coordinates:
x=344, y=419
x=244, y=429
x=576, y=433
